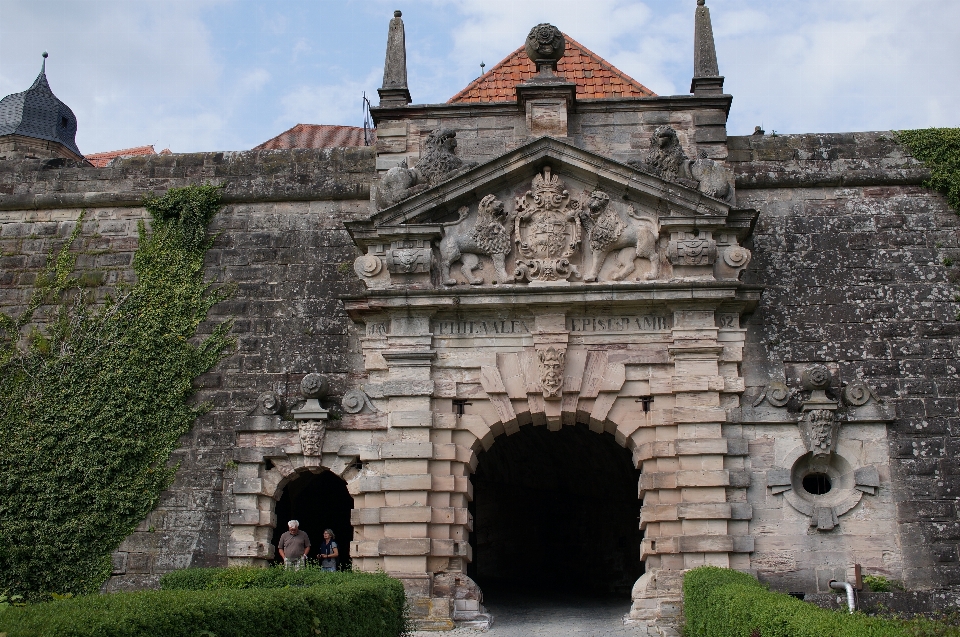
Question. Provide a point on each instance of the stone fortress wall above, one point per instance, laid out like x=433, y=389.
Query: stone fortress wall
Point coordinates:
x=778, y=360
x=853, y=278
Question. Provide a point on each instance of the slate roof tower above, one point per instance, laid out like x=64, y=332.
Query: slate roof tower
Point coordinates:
x=36, y=124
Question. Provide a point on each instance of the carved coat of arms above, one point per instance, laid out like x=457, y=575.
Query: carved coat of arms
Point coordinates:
x=547, y=231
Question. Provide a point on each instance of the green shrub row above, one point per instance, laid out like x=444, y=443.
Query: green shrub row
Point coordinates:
x=724, y=603
x=371, y=606
x=198, y=579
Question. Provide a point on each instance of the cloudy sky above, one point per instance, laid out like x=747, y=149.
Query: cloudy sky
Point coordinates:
x=229, y=74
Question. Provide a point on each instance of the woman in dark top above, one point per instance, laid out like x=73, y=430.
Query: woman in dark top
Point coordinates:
x=329, y=552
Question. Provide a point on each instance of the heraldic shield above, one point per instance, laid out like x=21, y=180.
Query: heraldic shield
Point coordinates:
x=548, y=232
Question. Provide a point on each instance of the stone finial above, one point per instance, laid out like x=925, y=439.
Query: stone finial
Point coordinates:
x=706, y=72
x=394, y=91
x=544, y=46
x=313, y=387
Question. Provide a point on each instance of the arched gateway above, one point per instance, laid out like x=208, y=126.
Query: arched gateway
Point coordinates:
x=643, y=346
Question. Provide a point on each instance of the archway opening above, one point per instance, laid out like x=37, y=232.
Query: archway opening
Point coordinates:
x=318, y=501
x=556, y=510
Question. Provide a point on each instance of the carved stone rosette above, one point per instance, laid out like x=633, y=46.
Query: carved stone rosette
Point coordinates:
x=551, y=361
x=547, y=231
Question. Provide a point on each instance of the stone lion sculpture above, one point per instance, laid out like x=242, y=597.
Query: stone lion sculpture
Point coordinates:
x=438, y=164
x=488, y=235
x=632, y=238
x=667, y=160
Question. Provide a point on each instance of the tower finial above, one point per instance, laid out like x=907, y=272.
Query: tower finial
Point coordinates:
x=43, y=67
x=706, y=73
x=394, y=91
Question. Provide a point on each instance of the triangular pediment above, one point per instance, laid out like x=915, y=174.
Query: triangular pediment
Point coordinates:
x=547, y=212
x=571, y=164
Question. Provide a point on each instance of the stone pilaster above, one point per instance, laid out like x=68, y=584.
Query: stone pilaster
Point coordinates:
x=686, y=511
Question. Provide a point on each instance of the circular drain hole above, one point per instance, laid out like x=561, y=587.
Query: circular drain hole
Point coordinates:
x=817, y=483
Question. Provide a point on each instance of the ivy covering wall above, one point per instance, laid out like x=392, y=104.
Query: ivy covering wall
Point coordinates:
x=939, y=149
x=93, y=403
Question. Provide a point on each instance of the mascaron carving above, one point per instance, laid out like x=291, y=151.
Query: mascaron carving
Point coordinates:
x=312, y=433
x=551, y=370
x=488, y=235
x=630, y=237
x=547, y=231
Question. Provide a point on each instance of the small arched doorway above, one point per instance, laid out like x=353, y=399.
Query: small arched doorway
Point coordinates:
x=556, y=509
x=318, y=501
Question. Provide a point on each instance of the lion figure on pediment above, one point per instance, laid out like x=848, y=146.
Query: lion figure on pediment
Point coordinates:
x=486, y=236
x=439, y=163
x=667, y=160
x=631, y=237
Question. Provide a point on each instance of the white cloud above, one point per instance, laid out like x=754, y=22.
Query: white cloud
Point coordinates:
x=328, y=103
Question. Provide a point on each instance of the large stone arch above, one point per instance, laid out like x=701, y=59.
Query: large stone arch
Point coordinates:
x=539, y=493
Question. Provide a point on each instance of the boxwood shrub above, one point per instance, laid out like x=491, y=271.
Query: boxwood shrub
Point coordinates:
x=347, y=605
x=198, y=579
x=724, y=603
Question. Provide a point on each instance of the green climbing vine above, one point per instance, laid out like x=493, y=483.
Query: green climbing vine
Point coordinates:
x=92, y=404
x=939, y=149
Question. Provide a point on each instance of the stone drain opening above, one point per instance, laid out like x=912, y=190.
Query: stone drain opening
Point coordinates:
x=556, y=510
x=319, y=501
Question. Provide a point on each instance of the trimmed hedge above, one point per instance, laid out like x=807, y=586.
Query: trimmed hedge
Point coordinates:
x=198, y=579
x=724, y=603
x=359, y=605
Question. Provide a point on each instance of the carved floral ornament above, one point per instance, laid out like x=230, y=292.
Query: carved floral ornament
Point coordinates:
x=815, y=478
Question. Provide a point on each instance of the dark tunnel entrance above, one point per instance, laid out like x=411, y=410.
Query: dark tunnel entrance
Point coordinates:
x=318, y=501
x=558, y=509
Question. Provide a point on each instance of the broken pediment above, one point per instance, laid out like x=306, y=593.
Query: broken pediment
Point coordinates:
x=549, y=213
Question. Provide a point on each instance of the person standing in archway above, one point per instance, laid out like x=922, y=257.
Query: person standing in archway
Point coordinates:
x=294, y=546
x=329, y=551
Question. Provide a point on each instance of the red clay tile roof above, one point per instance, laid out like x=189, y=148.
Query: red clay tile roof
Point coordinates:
x=102, y=159
x=316, y=136
x=594, y=77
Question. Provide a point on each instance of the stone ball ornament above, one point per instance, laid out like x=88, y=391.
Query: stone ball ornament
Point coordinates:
x=313, y=386
x=815, y=377
x=545, y=42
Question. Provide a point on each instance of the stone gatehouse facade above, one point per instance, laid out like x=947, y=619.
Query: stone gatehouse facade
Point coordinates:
x=737, y=351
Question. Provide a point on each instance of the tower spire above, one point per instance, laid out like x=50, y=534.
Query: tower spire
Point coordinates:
x=706, y=73
x=394, y=91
